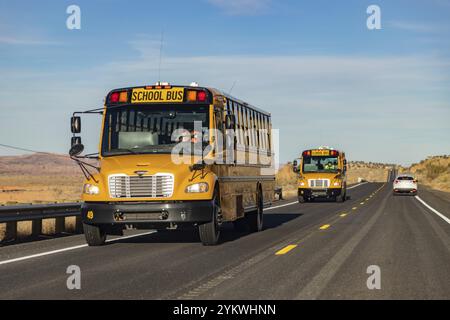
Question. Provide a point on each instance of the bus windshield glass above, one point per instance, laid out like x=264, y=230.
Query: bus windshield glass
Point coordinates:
x=139, y=129
x=320, y=164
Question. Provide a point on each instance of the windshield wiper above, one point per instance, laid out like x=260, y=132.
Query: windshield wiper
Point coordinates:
x=122, y=151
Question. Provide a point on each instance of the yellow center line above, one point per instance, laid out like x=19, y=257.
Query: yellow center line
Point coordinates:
x=285, y=249
x=342, y=214
x=362, y=203
x=354, y=208
x=367, y=199
x=325, y=226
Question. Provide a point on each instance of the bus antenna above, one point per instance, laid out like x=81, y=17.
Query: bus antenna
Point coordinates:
x=232, y=87
x=160, y=55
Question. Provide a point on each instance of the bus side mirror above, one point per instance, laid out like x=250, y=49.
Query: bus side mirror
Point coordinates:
x=295, y=166
x=75, y=124
x=230, y=121
x=75, y=140
x=76, y=149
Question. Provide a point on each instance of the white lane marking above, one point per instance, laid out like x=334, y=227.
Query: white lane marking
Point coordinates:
x=356, y=185
x=294, y=202
x=42, y=254
x=282, y=205
x=434, y=210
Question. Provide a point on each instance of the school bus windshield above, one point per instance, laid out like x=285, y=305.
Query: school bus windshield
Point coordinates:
x=320, y=164
x=142, y=129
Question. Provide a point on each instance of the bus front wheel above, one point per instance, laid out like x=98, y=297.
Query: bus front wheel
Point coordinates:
x=95, y=235
x=209, y=232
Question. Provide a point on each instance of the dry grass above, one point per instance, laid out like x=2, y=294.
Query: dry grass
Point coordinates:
x=39, y=189
x=39, y=178
x=433, y=172
x=287, y=179
x=367, y=171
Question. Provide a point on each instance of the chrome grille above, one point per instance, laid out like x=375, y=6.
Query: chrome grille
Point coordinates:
x=319, y=183
x=154, y=186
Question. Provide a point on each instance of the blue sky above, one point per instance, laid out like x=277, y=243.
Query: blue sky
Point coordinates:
x=381, y=95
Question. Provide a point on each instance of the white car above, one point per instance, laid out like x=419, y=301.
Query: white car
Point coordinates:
x=405, y=183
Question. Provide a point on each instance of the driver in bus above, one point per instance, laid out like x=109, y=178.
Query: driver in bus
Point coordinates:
x=192, y=136
x=329, y=166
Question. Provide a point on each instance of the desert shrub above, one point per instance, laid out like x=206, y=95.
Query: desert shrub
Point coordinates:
x=435, y=170
x=285, y=177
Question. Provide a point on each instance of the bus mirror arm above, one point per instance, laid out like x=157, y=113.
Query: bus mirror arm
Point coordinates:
x=83, y=166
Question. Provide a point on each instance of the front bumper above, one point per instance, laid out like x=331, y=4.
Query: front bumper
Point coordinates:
x=148, y=213
x=319, y=193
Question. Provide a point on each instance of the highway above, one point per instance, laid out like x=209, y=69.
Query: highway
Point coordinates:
x=319, y=250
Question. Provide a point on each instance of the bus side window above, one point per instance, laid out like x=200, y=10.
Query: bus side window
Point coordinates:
x=250, y=125
x=220, y=130
x=263, y=133
x=255, y=139
x=260, y=142
x=241, y=124
x=269, y=133
x=229, y=106
x=246, y=136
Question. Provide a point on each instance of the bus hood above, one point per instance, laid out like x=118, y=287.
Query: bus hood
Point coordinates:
x=321, y=175
x=144, y=164
x=151, y=164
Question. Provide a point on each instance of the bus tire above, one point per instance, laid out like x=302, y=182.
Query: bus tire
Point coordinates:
x=209, y=232
x=340, y=198
x=95, y=235
x=301, y=199
x=255, y=219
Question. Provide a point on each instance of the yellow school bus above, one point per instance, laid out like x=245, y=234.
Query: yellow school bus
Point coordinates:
x=172, y=157
x=321, y=174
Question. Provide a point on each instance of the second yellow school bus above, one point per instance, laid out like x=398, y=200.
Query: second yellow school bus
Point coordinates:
x=141, y=180
x=322, y=173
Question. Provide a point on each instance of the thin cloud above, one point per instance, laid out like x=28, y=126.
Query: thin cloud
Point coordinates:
x=242, y=7
x=413, y=26
x=26, y=42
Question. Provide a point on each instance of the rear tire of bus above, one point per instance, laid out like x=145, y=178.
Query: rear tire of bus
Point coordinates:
x=209, y=232
x=301, y=199
x=95, y=235
x=255, y=219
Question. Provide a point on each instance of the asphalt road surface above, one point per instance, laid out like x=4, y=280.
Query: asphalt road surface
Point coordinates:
x=319, y=250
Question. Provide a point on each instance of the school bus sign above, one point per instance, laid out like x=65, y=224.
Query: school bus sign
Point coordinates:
x=143, y=95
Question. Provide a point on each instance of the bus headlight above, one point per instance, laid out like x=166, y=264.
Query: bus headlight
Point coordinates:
x=302, y=184
x=91, y=189
x=336, y=183
x=197, y=188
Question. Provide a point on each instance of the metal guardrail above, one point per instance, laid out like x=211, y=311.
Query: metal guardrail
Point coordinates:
x=38, y=211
